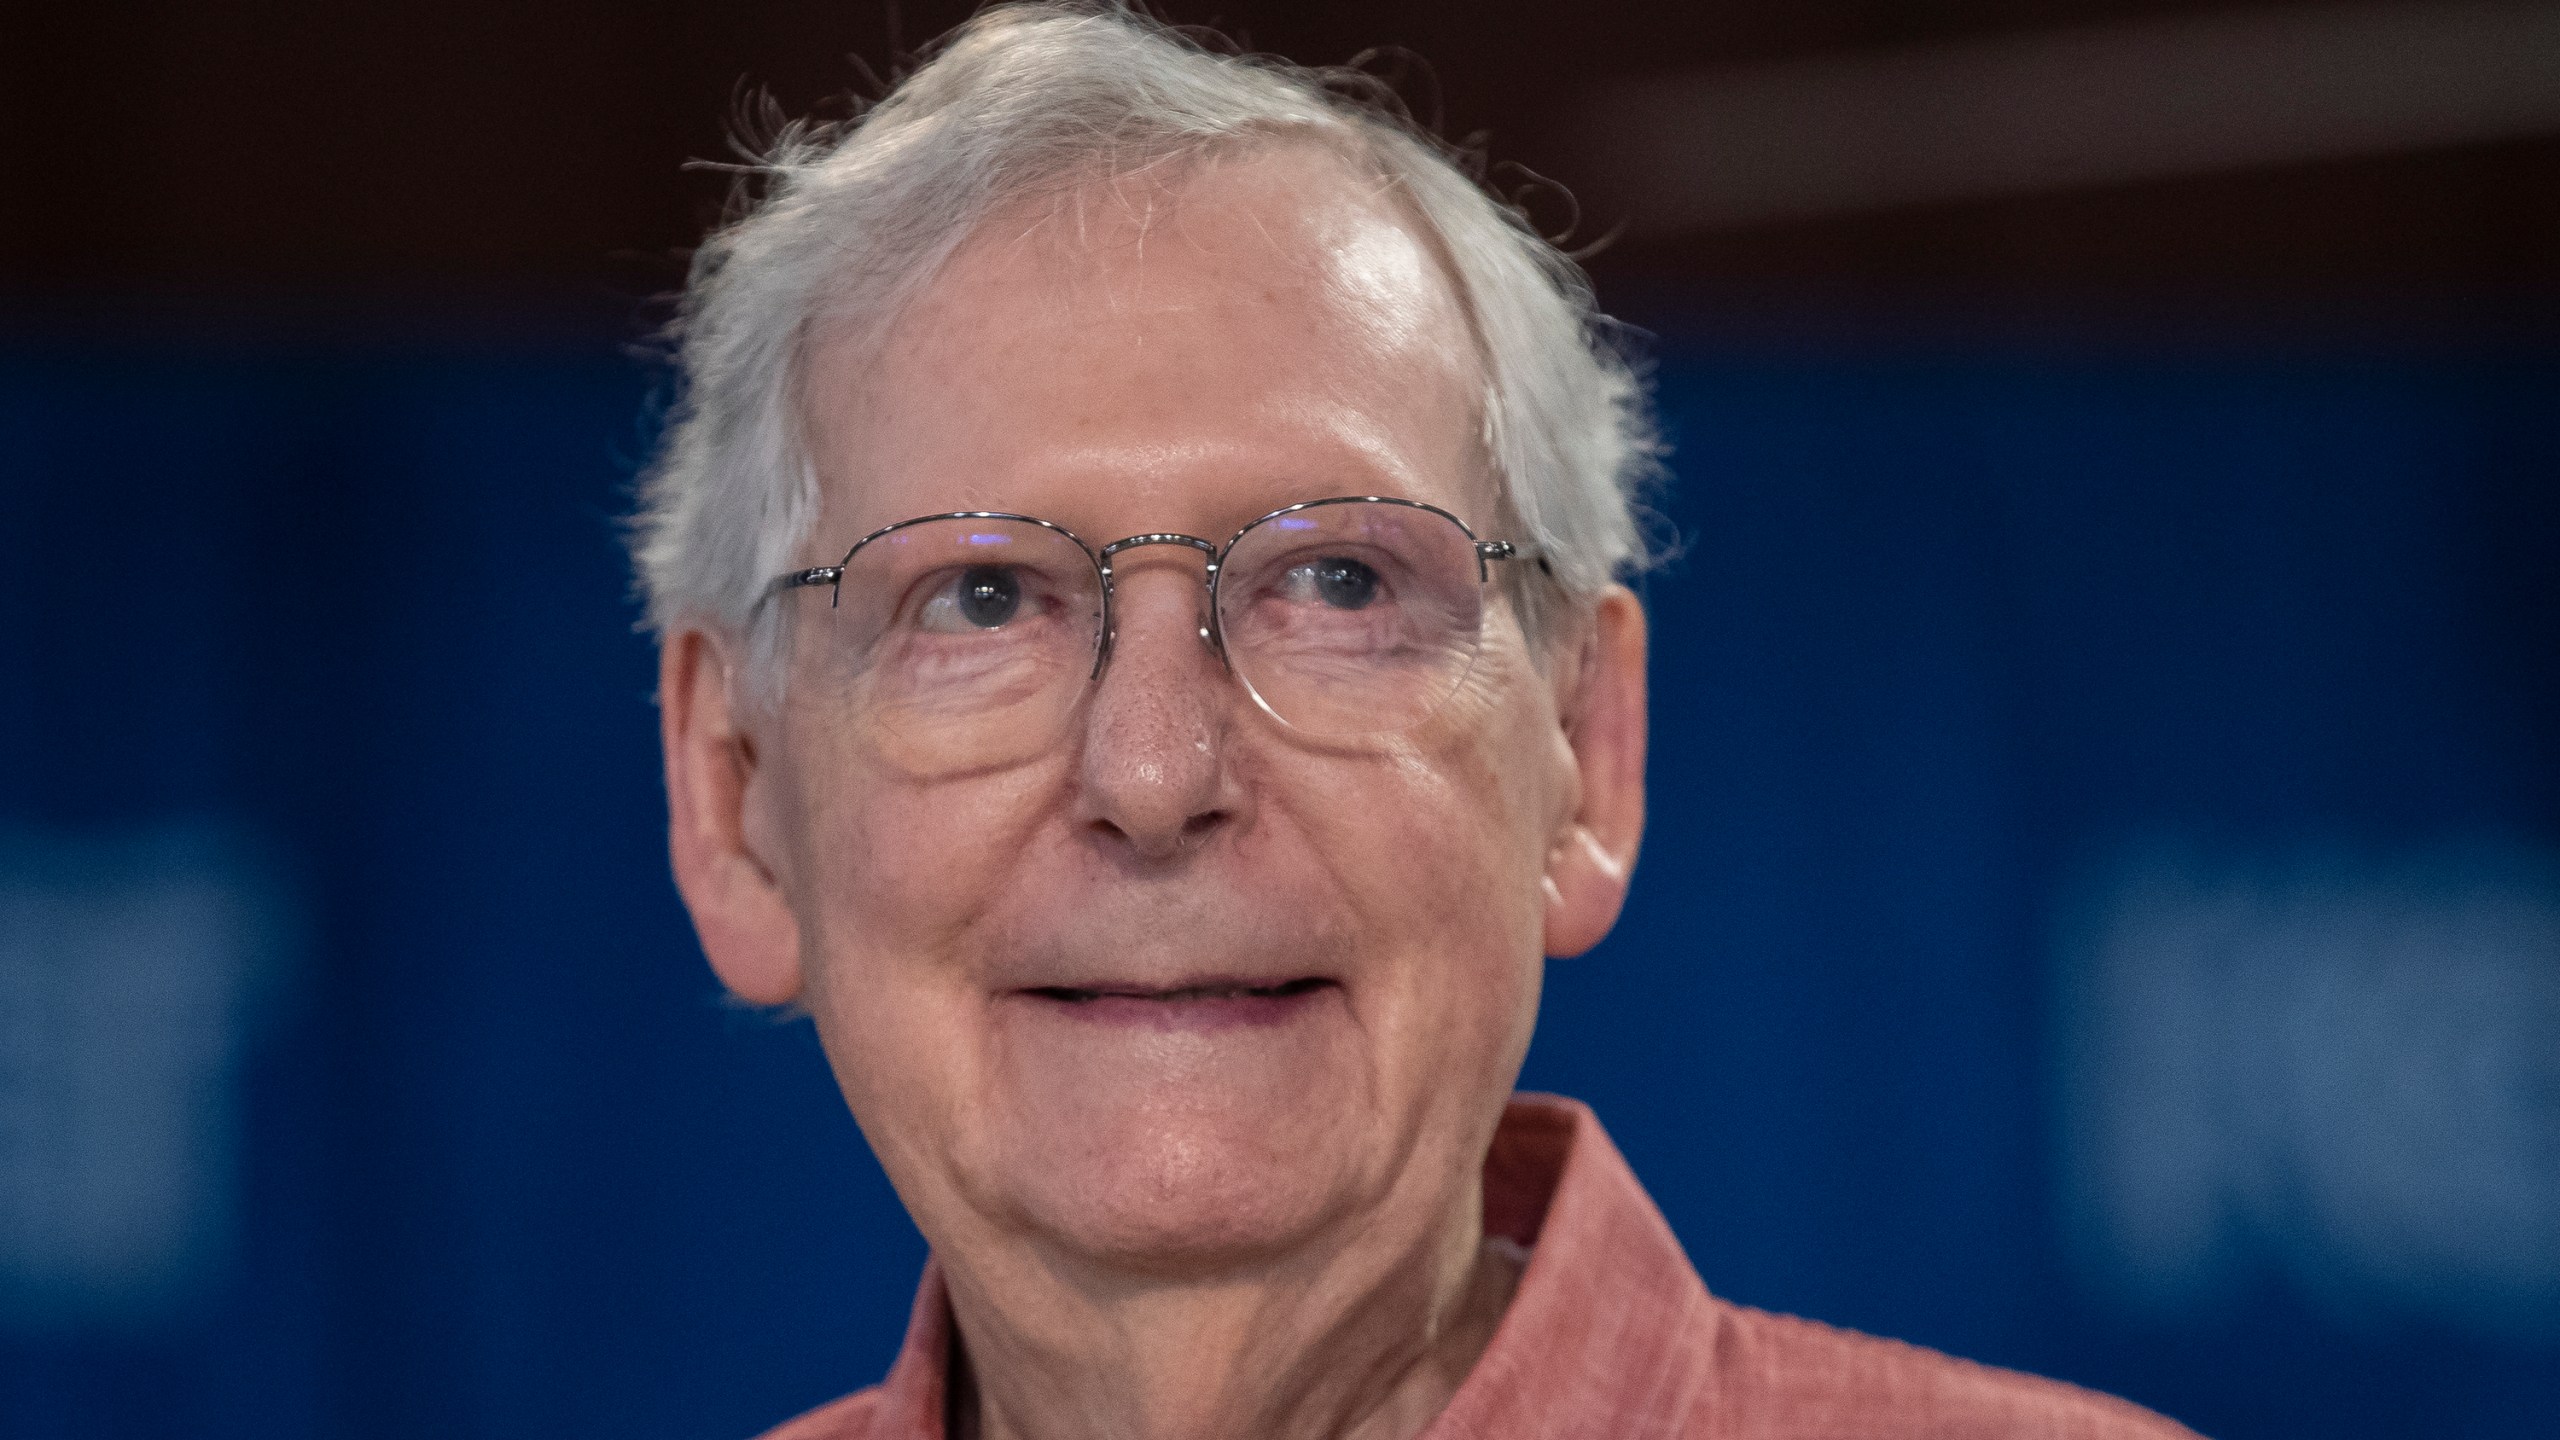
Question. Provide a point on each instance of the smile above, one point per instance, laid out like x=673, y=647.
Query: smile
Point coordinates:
x=1200, y=1006
x=1078, y=995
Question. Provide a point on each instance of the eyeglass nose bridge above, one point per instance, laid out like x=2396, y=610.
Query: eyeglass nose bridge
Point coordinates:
x=1211, y=634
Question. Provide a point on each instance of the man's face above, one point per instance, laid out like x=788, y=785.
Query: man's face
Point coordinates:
x=1320, y=958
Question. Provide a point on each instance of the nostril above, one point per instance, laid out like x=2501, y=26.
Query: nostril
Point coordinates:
x=1202, y=823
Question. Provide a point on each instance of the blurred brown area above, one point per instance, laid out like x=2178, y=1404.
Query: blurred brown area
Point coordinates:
x=528, y=152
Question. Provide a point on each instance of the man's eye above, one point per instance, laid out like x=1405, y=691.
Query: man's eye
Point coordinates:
x=981, y=597
x=1338, y=581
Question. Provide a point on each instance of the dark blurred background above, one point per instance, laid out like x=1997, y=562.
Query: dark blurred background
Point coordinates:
x=2102, y=912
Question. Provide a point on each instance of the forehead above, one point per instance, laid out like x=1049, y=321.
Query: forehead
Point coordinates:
x=1187, y=347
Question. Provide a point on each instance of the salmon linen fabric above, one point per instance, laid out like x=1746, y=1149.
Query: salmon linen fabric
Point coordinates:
x=1612, y=1336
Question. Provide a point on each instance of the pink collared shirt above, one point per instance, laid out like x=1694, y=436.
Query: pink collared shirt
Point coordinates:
x=1612, y=1336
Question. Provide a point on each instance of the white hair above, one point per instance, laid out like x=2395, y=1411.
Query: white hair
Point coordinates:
x=856, y=218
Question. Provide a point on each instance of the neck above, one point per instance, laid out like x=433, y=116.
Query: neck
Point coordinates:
x=1348, y=1347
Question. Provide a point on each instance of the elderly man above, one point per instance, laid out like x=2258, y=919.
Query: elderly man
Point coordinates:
x=1144, y=668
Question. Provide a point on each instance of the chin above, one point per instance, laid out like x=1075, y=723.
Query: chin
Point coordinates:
x=1186, y=1128
x=1179, y=1182
x=1190, y=1226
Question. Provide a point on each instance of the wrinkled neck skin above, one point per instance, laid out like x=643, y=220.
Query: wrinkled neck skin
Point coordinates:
x=1366, y=1340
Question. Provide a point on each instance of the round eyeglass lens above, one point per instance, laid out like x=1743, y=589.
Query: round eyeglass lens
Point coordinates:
x=956, y=643
x=1352, y=617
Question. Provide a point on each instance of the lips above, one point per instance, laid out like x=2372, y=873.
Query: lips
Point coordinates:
x=1200, y=1006
x=1202, y=990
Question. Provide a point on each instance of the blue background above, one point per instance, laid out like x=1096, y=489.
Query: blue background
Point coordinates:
x=1950, y=618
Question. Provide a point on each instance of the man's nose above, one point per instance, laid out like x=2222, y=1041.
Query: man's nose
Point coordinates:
x=1154, y=771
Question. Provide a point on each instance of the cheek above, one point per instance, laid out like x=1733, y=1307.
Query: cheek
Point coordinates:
x=1440, y=841
x=1482, y=785
x=894, y=885
x=888, y=875
x=1501, y=788
x=1450, y=889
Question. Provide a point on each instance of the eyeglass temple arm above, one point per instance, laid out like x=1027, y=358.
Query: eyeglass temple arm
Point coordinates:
x=815, y=576
x=1507, y=550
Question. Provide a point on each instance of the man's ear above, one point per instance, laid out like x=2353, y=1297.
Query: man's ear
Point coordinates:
x=1601, y=705
x=727, y=880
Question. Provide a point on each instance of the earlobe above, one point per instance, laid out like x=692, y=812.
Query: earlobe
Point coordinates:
x=738, y=906
x=1593, y=855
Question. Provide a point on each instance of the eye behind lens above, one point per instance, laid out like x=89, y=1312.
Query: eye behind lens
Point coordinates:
x=1353, y=617
x=1344, y=583
x=989, y=595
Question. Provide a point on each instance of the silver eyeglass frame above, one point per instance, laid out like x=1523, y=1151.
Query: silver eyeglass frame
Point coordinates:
x=1212, y=634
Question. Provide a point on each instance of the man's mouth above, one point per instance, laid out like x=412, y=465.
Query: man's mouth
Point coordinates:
x=1199, y=1006
x=1078, y=995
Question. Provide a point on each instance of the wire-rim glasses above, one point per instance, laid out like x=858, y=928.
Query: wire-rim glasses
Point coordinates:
x=964, y=639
